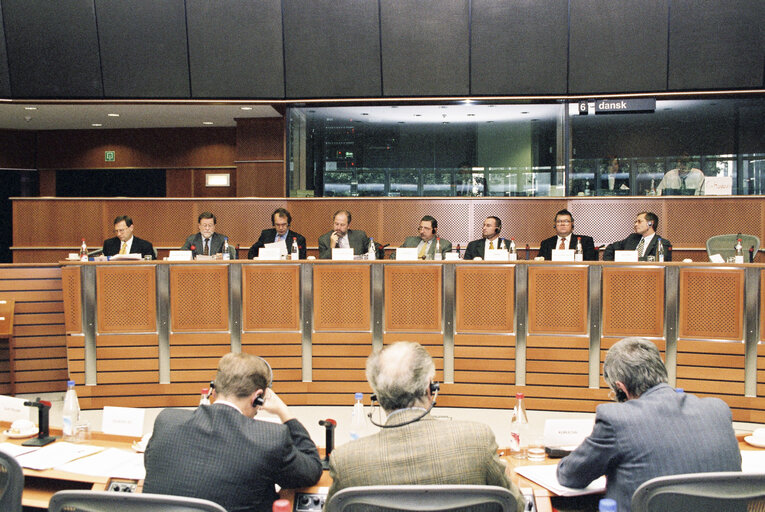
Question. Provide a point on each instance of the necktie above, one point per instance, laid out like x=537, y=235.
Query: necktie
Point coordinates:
x=207, y=247
x=421, y=252
x=640, y=246
x=491, y=244
x=682, y=184
x=123, y=248
x=562, y=244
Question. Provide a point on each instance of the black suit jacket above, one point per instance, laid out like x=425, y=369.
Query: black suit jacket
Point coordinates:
x=588, y=247
x=139, y=246
x=267, y=236
x=630, y=244
x=476, y=247
x=216, y=244
x=216, y=453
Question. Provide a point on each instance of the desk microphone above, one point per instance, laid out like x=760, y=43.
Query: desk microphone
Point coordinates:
x=434, y=387
x=43, y=415
x=751, y=254
x=329, y=440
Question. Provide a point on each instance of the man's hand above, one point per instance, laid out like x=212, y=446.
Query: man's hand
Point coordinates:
x=333, y=238
x=274, y=405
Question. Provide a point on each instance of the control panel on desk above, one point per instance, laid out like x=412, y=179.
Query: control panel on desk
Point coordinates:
x=306, y=502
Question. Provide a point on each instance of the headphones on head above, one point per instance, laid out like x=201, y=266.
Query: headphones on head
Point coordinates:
x=433, y=387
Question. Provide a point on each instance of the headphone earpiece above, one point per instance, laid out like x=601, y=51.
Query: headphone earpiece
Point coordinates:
x=434, y=387
x=650, y=223
x=258, y=401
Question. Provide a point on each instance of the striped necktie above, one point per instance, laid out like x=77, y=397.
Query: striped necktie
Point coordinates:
x=640, y=247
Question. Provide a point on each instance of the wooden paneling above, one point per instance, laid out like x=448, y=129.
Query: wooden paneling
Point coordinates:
x=70, y=278
x=633, y=302
x=413, y=298
x=558, y=300
x=127, y=358
x=484, y=358
x=126, y=299
x=711, y=367
x=271, y=298
x=711, y=304
x=341, y=298
x=199, y=298
x=485, y=299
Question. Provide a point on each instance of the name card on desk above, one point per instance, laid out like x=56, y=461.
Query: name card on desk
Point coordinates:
x=270, y=253
x=718, y=186
x=180, y=256
x=342, y=253
x=406, y=254
x=625, y=256
x=496, y=255
x=12, y=409
x=562, y=255
x=123, y=421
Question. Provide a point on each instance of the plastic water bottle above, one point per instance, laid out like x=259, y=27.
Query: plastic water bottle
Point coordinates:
x=437, y=254
x=357, y=418
x=226, y=254
x=659, y=250
x=295, y=254
x=204, y=400
x=513, y=250
x=83, y=251
x=371, y=253
x=739, y=252
x=71, y=413
x=607, y=505
x=579, y=252
x=519, y=430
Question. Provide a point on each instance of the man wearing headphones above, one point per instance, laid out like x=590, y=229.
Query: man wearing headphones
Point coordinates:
x=426, y=241
x=218, y=453
x=566, y=239
x=412, y=447
x=281, y=220
x=490, y=240
x=643, y=240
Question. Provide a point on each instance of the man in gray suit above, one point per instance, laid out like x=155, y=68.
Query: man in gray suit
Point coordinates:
x=652, y=431
x=219, y=453
x=207, y=242
x=413, y=447
x=428, y=239
x=342, y=236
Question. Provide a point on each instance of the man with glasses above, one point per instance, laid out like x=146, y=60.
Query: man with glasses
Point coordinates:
x=566, y=239
x=427, y=240
x=125, y=242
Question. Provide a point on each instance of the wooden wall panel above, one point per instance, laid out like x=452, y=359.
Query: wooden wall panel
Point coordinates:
x=126, y=299
x=70, y=278
x=711, y=304
x=199, y=298
x=558, y=300
x=341, y=299
x=484, y=358
x=127, y=358
x=282, y=350
x=562, y=359
x=271, y=298
x=711, y=367
x=413, y=298
x=633, y=302
x=485, y=300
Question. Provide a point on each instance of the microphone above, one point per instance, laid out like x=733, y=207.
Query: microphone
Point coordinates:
x=751, y=254
x=43, y=421
x=193, y=247
x=527, y=251
x=329, y=440
x=458, y=251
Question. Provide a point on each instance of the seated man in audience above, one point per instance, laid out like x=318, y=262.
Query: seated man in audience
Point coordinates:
x=207, y=242
x=426, y=241
x=218, y=453
x=683, y=180
x=490, y=240
x=566, y=239
x=653, y=430
x=415, y=448
x=643, y=240
x=281, y=220
x=342, y=236
x=125, y=242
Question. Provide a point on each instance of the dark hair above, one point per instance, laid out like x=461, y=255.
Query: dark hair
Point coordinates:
x=207, y=215
x=564, y=212
x=346, y=212
x=652, y=218
x=126, y=218
x=636, y=363
x=497, y=220
x=281, y=212
x=432, y=220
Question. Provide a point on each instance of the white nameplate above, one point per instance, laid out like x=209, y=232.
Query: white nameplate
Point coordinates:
x=406, y=254
x=496, y=255
x=562, y=255
x=281, y=245
x=123, y=421
x=451, y=256
x=718, y=186
x=625, y=256
x=342, y=253
x=12, y=409
x=270, y=253
x=180, y=256
x=716, y=258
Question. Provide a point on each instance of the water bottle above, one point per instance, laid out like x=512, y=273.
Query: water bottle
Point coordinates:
x=607, y=505
x=204, y=400
x=371, y=253
x=437, y=254
x=659, y=250
x=295, y=253
x=83, y=251
x=71, y=413
x=513, y=250
x=226, y=254
x=519, y=430
x=357, y=418
x=739, y=252
x=579, y=252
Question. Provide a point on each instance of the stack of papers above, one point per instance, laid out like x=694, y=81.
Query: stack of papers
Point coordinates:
x=55, y=455
x=545, y=475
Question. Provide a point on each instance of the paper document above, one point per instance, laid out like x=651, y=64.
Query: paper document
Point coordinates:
x=752, y=461
x=111, y=462
x=55, y=455
x=14, y=450
x=545, y=475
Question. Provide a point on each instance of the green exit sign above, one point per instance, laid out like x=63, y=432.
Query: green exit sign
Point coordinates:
x=109, y=156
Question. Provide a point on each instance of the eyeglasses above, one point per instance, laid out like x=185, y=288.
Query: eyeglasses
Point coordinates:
x=563, y=222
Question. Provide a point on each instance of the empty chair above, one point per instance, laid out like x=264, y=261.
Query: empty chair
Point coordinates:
x=702, y=492
x=11, y=483
x=103, y=501
x=389, y=498
x=724, y=245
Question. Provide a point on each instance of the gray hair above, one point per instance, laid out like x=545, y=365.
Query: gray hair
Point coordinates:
x=241, y=374
x=400, y=374
x=636, y=363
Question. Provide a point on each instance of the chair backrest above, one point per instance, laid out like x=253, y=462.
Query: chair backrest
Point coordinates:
x=104, y=501
x=11, y=483
x=701, y=492
x=724, y=245
x=422, y=497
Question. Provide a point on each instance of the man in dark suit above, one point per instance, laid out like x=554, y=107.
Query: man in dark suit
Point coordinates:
x=653, y=430
x=207, y=242
x=281, y=221
x=490, y=240
x=566, y=239
x=427, y=240
x=644, y=240
x=342, y=236
x=125, y=242
x=219, y=453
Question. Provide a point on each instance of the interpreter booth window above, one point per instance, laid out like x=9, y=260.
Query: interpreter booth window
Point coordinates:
x=710, y=146
x=461, y=149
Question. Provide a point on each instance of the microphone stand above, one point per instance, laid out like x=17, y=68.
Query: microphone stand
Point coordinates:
x=329, y=440
x=43, y=415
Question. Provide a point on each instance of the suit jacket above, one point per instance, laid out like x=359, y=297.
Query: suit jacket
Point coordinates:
x=476, y=247
x=630, y=244
x=358, y=240
x=414, y=241
x=216, y=244
x=216, y=453
x=661, y=433
x=588, y=247
x=139, y=246
x=267, y=236
x=428, y=451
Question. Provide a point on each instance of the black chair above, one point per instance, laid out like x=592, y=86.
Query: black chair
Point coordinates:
x=394, y=498
x=11, y=483
x=104, y=501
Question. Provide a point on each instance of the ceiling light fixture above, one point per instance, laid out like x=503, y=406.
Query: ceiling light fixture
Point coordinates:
x=245, y=108
x=113, y=115
x=207, y=122
x=30, y=108
x=96, y=124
